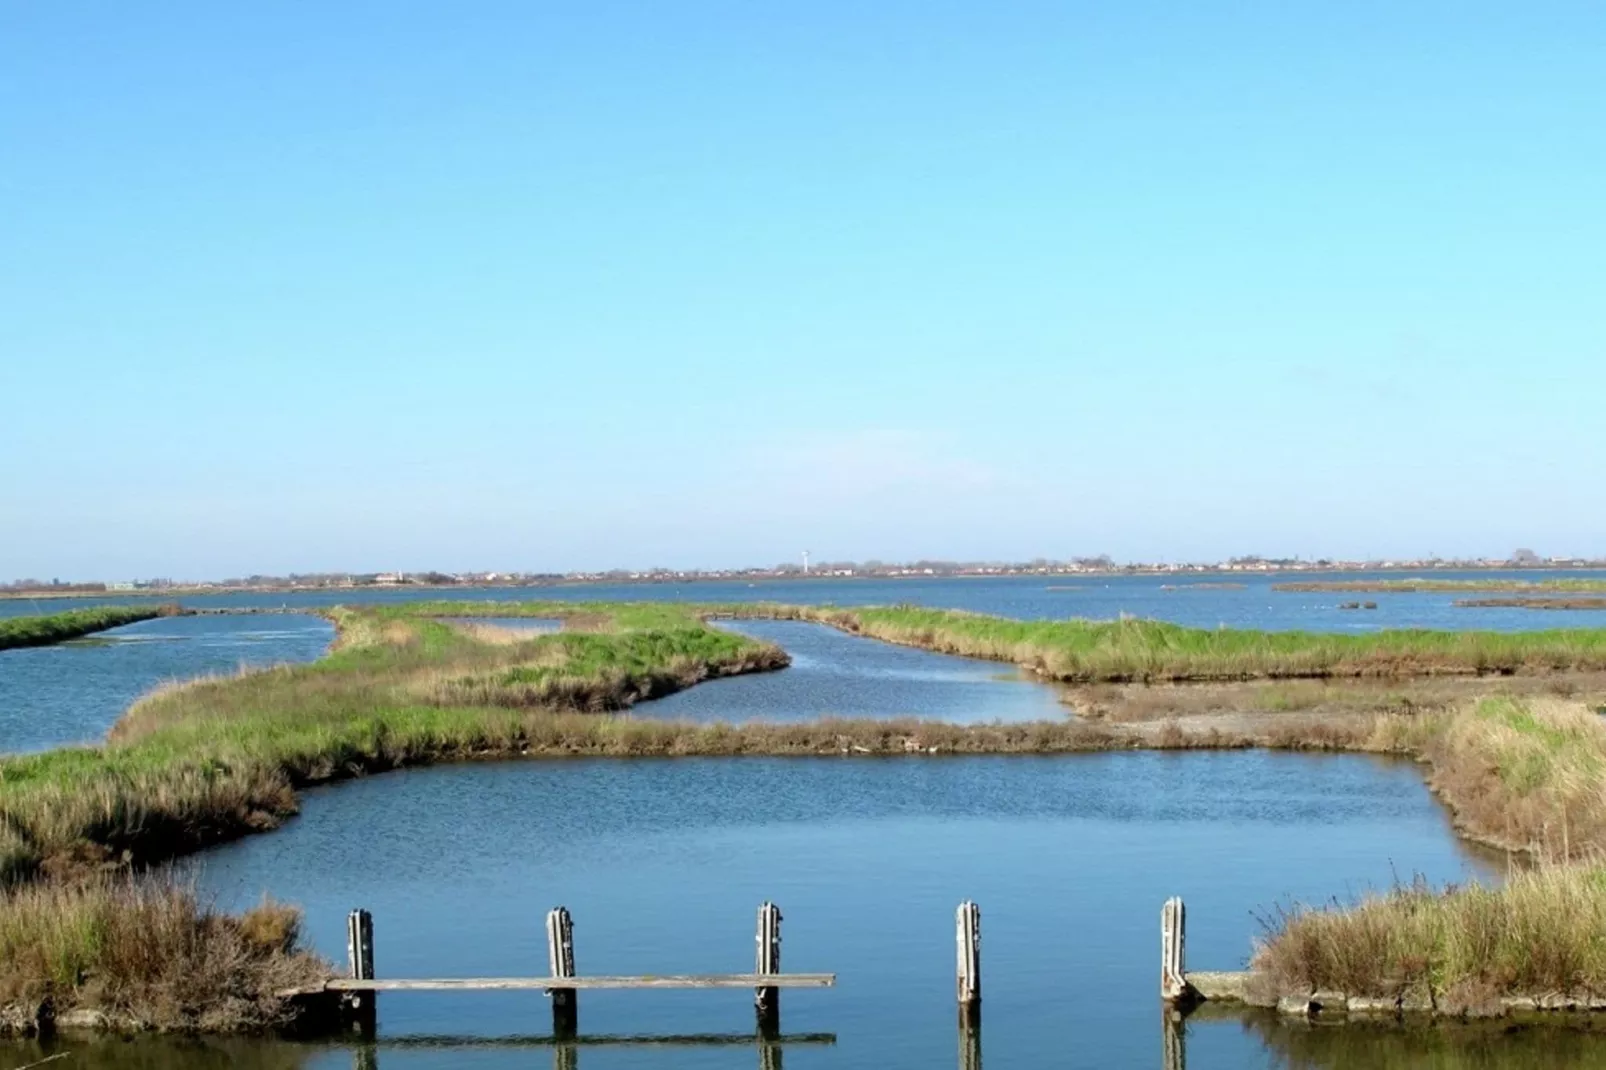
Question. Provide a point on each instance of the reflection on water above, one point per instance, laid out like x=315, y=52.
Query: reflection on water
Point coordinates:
x=663, y=863
x=1209, y=1040
x=839, y=675
x=73, y=692
x=1497, y=1045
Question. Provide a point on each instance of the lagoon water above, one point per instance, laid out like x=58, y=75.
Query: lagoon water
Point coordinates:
x=834, y=674
x=664, y=862
x=55, y=695
x=73, y=692
x=1253, y=605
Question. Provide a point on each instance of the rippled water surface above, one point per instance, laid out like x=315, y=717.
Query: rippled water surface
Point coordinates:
x=73, y=692
x=663, y=863
x=1251, y=603
x=839, y=675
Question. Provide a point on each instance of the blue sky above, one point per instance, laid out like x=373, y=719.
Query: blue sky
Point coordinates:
x=569, y=285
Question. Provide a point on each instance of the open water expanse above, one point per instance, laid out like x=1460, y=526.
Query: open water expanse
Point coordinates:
x=73, y=692
x=663, y=862
x=1253, y=605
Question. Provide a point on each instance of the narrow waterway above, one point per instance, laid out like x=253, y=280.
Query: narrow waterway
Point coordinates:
x=834, y=674
x=73, y=692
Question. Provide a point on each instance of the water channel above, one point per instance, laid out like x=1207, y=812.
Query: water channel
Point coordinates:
x=73, y=692
x=663, y=862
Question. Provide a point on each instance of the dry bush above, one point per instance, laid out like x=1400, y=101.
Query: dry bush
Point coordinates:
x=148, y=951
x=1542, y=932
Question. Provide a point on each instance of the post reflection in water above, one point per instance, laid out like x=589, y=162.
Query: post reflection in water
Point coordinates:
x=1173, y=1046
x=1564, y=1043
x=969, y=1044
x=566, y=1050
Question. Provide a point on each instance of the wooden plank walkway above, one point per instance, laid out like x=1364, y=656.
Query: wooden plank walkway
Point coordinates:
x=541, y=984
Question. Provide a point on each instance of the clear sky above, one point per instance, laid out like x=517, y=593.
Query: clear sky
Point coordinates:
x=566, y=285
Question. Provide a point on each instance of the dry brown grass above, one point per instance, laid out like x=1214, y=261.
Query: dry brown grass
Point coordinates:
x=1135, y=703
x=1522, y=775
x=1541, y=933
x=494, y=634
x=1526, y=775
x=149, y=952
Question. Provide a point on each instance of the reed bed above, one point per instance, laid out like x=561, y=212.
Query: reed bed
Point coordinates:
x=222, y=757
x=1085, y=651
x=47, y=629
x=1530, y=776
x=1541, y=933
x=148, y=953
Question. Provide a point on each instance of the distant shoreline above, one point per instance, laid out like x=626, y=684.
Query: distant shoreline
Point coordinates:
x=816, y=577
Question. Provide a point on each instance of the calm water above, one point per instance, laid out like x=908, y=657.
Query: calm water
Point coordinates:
x=664, y=862
x=1273, y=1045
x=839, y=675
x=74, y=691
x=1255, y=605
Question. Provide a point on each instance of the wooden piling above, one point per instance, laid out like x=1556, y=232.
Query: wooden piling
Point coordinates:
x=767, y=1000
x=560, y=963
x=967, y=939
x=1173, y=971
x=361, y=1007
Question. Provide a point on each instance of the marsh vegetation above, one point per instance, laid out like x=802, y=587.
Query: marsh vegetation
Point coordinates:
x=45, y=629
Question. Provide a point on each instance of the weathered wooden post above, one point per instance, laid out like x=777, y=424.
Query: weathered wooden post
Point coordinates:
x=565, y=1057
x=767, y=999
x=361, y=1006
x=560, y=963
x=967, y=938
x=769, y=1055
x=1173, y=971
x=365, y=1057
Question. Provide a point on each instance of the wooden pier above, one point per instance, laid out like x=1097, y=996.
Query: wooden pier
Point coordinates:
x=354, y=997
x=356, y=993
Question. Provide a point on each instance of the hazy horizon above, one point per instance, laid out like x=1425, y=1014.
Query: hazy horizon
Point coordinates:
x=584, y=286
x=817, y=564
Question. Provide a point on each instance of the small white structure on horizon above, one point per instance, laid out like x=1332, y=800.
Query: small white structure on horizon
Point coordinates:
x=805, y=562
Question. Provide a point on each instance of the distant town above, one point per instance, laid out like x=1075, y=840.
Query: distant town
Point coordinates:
x=802, y=569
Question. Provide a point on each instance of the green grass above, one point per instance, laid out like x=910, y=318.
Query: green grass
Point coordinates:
x=193, y=764
x=59, y=627
x=1085, y=651
x=217, y=758
x=1529, y=775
